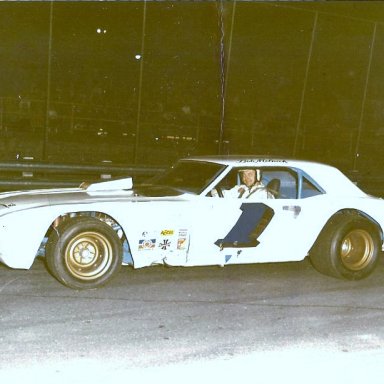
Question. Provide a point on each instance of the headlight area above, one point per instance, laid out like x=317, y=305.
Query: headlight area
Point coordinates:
x=20, y=236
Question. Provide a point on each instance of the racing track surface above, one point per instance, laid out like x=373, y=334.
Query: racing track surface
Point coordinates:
x=172, y=324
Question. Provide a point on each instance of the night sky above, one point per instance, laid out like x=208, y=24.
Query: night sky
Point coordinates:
x=142, y=82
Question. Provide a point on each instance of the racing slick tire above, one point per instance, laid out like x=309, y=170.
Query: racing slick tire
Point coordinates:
x=348, y=247
x=84, y=253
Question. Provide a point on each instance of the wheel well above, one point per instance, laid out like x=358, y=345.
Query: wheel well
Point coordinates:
x=109, y=220
x=348, y=211
x=348, y=245
x=358, y=213
x=98, y=215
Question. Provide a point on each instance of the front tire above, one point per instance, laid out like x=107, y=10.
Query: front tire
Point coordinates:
x=84, y=253
x=348, y=247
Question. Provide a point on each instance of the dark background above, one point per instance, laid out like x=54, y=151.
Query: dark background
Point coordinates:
x=147, y=82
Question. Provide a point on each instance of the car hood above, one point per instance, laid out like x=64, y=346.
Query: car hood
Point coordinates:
x=20, y=200
x=108, y=191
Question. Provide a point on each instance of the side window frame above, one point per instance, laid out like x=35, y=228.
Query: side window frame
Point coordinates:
x=293, y=174
x=232, y=175
x=297, y=175
x=301, y=176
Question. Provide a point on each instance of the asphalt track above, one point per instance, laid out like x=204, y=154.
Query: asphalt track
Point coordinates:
x=262, y=323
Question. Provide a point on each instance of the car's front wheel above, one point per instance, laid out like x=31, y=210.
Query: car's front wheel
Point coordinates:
x=348, y=247
x=83, y=253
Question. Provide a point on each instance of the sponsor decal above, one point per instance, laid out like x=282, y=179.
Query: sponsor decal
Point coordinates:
x=183, y=232
x=182, y=240
x=165, y=244
x=167, y=232
x=181, y=243
x=147, y=244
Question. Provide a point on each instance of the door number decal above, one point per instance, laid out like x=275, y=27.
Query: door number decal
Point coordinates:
x=254, y=218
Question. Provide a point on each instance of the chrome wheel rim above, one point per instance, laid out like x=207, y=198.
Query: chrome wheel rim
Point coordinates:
x=88, y=255
x=357, y=250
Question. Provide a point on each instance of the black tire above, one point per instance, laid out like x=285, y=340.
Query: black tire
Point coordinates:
x=84, y=253
x=348, y=247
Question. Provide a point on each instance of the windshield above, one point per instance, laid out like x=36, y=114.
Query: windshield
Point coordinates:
x=189, y=176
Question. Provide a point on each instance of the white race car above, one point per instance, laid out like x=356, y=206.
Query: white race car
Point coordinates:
x=185, y=217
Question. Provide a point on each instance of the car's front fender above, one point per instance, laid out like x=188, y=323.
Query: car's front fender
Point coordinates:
x=21, y=234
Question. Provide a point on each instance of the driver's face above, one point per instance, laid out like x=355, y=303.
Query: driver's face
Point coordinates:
x=248, y=177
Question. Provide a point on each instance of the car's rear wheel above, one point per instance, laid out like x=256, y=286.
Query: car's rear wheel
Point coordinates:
x=84, y=252
x=348, y=247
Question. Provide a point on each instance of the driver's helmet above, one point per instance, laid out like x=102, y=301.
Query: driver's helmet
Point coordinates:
x=257, y=171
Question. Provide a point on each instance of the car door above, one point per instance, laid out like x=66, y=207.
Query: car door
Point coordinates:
x=231, y=231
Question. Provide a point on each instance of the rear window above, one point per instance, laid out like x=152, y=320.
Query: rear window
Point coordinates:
x=308, y=189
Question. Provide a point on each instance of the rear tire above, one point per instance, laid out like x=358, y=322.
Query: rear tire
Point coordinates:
x=348, y=247
x=84, y=253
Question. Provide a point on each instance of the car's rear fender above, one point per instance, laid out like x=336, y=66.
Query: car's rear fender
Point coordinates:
x=356, y=212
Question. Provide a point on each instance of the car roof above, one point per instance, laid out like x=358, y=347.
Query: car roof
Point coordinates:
x=332, y=180
x=254, y=160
